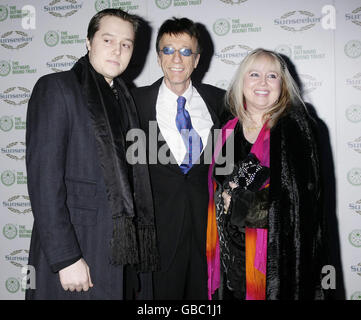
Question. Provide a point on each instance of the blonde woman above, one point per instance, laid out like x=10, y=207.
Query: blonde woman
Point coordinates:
x=265, y=228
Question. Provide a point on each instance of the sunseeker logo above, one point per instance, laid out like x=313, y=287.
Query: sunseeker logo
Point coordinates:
x=233, y=54
x=354, y=16
x=63, y=9
x=14, y=150
x=296, y=21
x=355, y=145
x=233, y=1
x=18, y=258
x=15, y=39
x=62, y=63
x=18, y=204
x=309, y=83
x=16, y=95
x=355, y=81
x=356, y=269
x=355, y=206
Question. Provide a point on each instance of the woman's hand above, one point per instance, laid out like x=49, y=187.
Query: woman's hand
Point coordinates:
x=226, y=196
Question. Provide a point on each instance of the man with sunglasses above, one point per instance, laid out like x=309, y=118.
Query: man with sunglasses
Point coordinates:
x=185, y=114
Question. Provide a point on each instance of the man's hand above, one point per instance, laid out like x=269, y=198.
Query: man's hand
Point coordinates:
x=76, y=277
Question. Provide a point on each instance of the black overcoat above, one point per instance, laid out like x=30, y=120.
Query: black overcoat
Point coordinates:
x=67, y=189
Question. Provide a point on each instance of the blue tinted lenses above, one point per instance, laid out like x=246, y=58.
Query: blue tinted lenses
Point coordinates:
x=184, y=51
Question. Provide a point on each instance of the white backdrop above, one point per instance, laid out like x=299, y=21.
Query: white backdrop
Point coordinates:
x=321, y=38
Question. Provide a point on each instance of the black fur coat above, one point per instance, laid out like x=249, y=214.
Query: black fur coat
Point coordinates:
x=296, y=223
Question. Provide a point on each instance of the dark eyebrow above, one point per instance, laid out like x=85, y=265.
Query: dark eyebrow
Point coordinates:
x=113, y=35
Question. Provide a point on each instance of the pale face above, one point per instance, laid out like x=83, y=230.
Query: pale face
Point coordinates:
x=261, y=85
x=111, y=47
x=178, y=69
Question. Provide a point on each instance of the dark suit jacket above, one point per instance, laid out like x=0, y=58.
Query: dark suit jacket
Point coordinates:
x=72, y=217
x=174, y=193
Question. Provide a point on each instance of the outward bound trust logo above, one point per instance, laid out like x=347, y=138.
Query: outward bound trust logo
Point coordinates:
x=233, y=54
x=62, y=63
x=296, y=21
x=121, y=4
x=354, y=176
x=15, y=40
x=353, y=49
x=163, y=4
x=355, y=238
x=223, y=26
x=354, y=16
x=8, y=178
x=12, y=285
x=353, y=113
x=5, y=68
x=63, y=9
x=18, y=204
x=10, y=231
x=16, y=95
x=3, y=13
x=8, y=123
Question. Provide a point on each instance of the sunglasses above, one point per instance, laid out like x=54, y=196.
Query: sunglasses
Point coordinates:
x=184, y=51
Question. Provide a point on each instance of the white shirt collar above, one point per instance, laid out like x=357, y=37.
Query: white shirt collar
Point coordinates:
x=169, y=94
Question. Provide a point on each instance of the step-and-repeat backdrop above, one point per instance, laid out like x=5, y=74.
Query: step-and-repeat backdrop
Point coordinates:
x=322, y=39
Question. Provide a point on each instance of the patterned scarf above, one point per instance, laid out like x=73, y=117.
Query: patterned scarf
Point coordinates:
x=256, y=239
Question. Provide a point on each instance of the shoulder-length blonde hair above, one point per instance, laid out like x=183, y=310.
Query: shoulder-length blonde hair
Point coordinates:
x=290, y=93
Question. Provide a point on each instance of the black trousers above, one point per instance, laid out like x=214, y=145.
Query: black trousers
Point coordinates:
x=186, y=278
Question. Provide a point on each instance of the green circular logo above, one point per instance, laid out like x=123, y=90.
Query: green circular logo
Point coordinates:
x=8, y=178
x=163, y=4
x=354, y=176
x=355, y=238
x=4, y=68
x=356, y=295
x=221, y=27
x=12, y=285
x=101, y=5
x=353, y=49
x=353, y=113
x=6, y=123
x=285, y=50
x=51, y=38
x=10, y=231
x=3, y=13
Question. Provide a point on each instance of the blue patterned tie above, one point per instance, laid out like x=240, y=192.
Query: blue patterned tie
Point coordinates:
x=191, y=138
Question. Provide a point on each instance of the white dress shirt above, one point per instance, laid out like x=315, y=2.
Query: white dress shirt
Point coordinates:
x=166, y=111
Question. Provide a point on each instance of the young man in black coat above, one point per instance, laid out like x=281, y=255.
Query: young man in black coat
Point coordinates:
x=168, y=108
x=91, y=208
